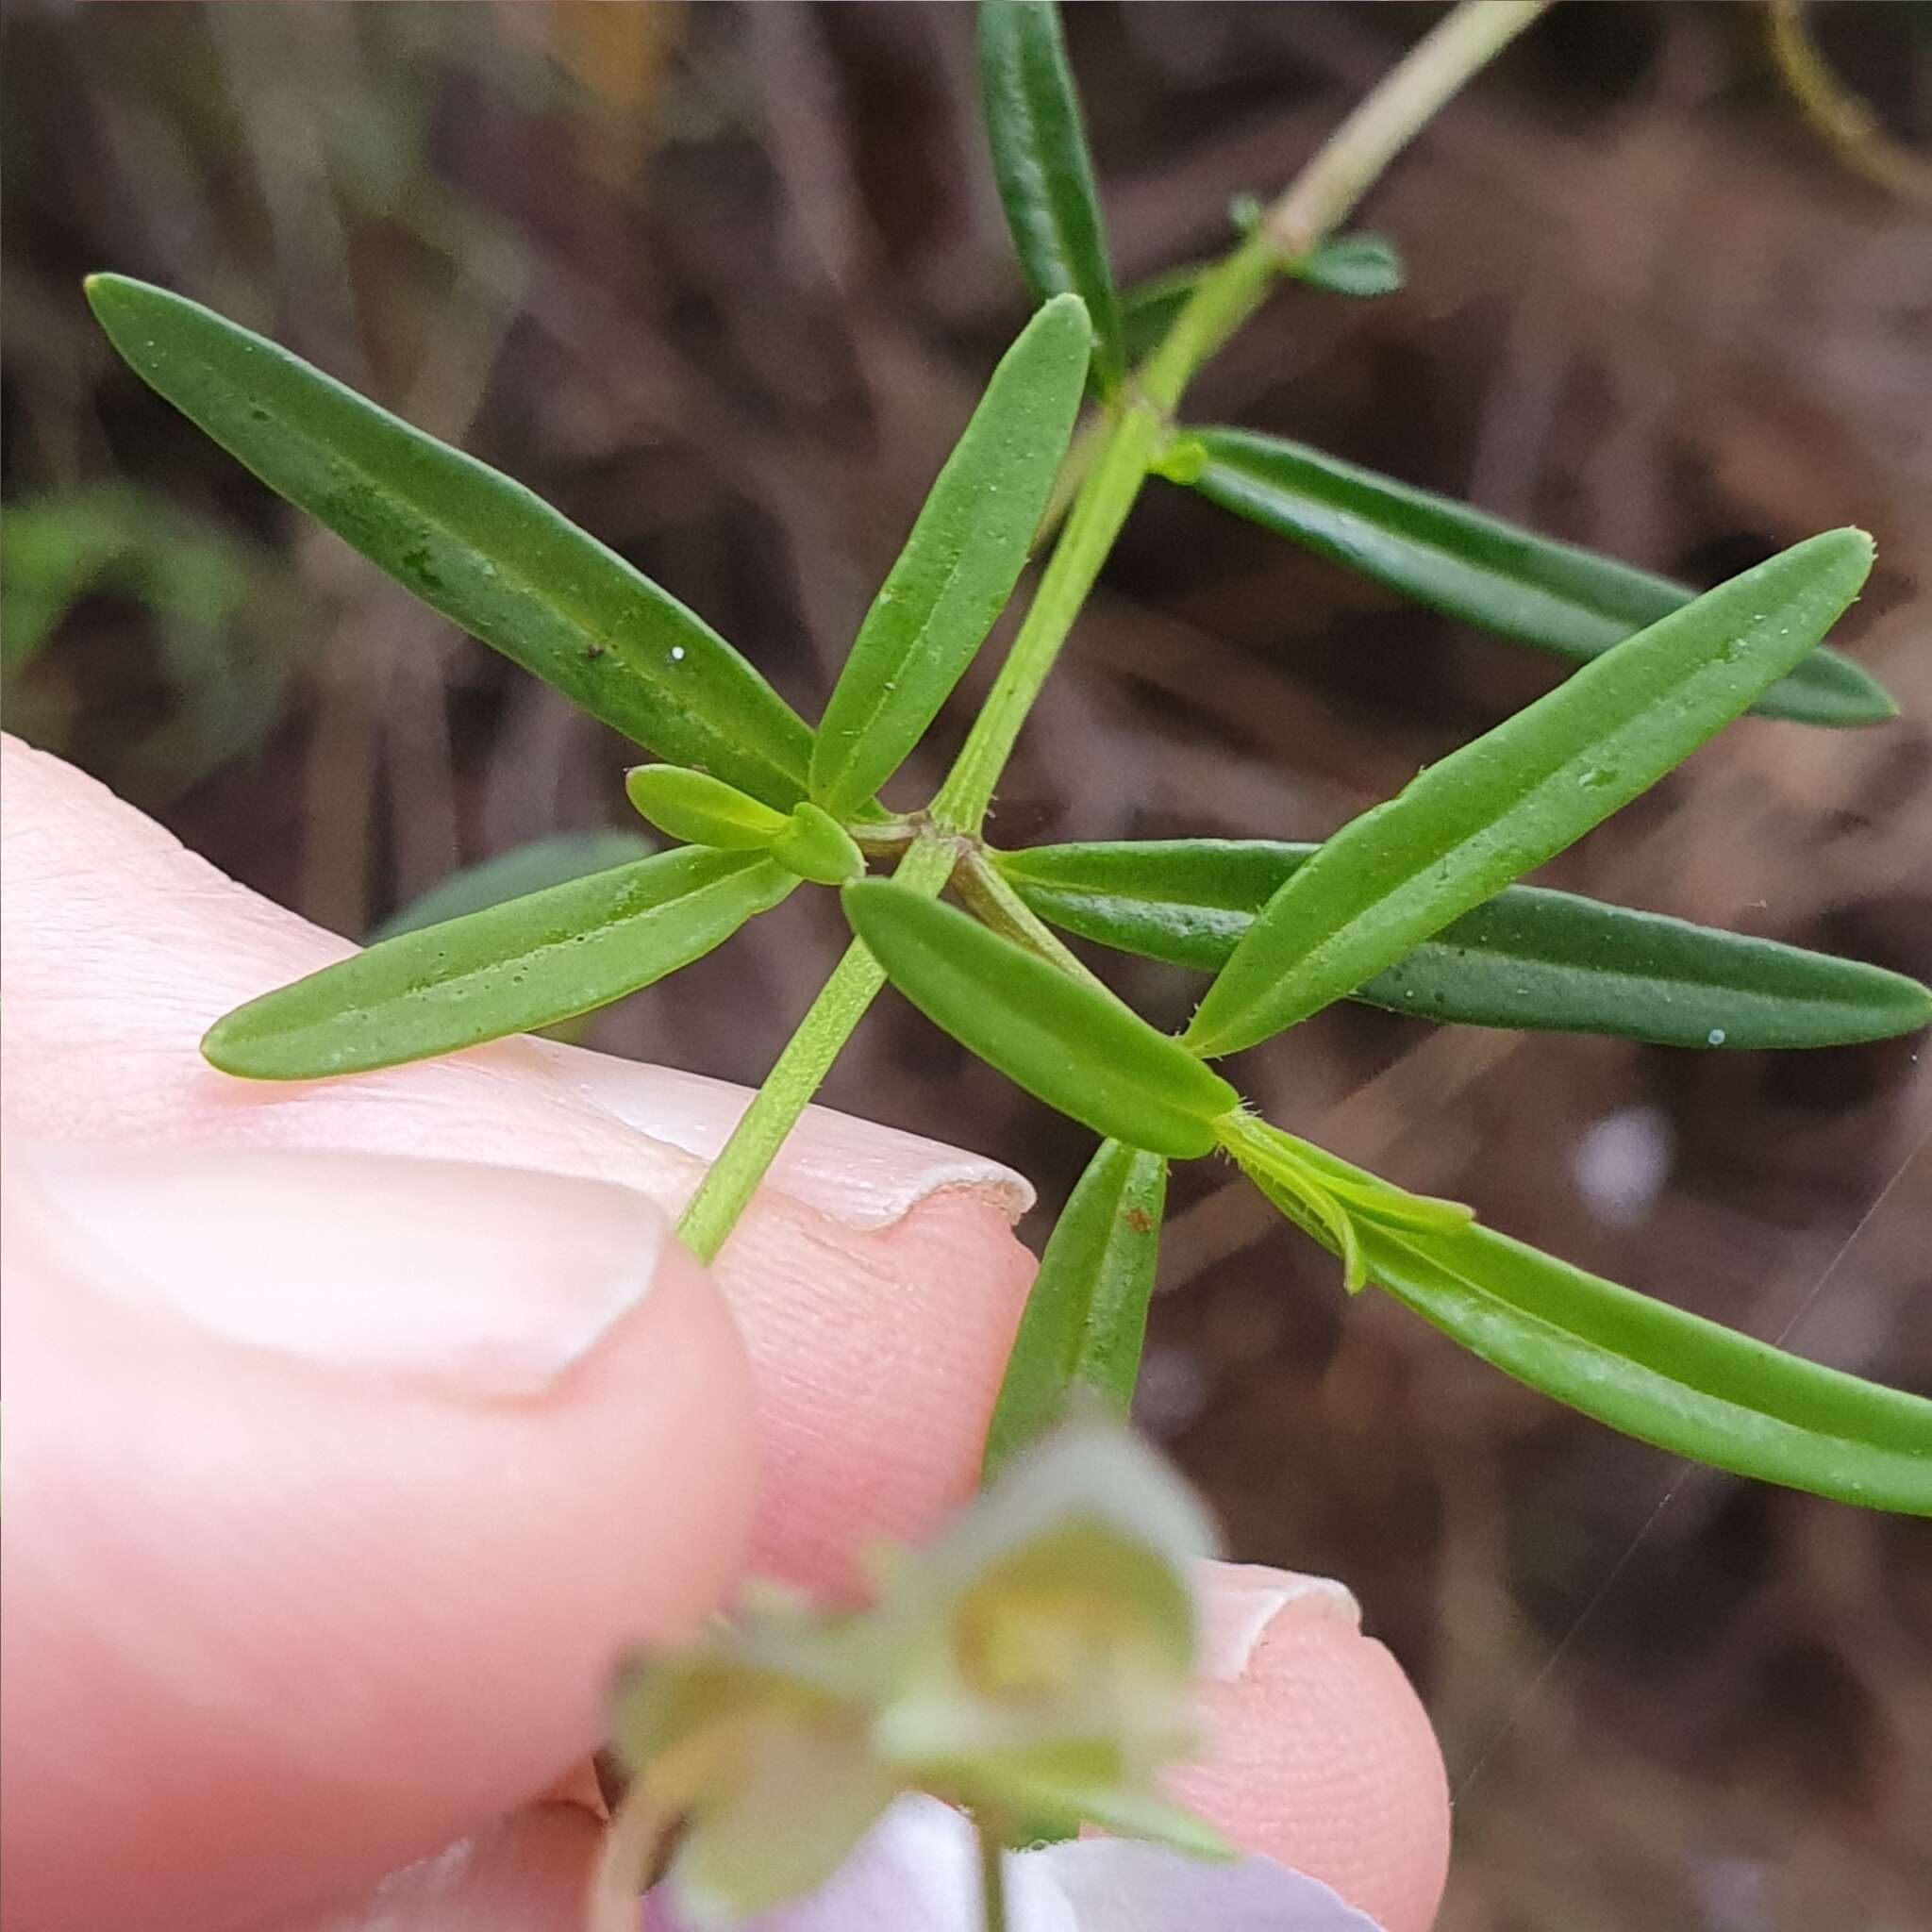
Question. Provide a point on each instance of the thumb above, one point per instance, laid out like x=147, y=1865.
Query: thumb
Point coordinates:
x=334, y=1483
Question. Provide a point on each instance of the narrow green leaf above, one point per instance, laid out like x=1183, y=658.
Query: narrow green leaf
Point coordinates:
x=1519, y=794
x=1482, y=571
x=511, y=875
x=959, y=564
x=1039, y=160
x=1086, y=1315
x=484, y=551
x=529, y=963
x=1658, y=1373
x=1530, y=958
x=1067, y=1043
x=1360, y=264
x=701, y=809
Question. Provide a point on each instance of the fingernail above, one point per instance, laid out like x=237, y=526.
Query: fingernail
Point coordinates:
x=486, y=1281
x=1241, y=1602
x=853, y=1171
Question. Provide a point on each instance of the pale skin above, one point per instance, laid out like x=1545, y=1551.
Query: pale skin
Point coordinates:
x=296, y=1600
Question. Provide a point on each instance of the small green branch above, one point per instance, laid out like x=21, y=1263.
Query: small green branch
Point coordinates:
x=1354, y=158
x=985, y=892
x=1325, y=194
x=1119, y=449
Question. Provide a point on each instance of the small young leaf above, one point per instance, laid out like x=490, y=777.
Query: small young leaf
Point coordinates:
x=1087, y=1311
x=1519, y=794
x=1327, y=1198
x=1530, y=958
x=1482, y=571
x=702, y=810
x=484, y=551
x=959, y=564
x=705, y=811
x=1300, y=1199
x=529, y=963
x=514, y=873
x=1041, y=162
x=1360, y=264
x=817, y=847
x=1658, y=1373
x=1067, y=1043
x=1258, y=1142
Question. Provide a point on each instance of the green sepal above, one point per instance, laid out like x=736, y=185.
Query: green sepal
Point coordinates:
x=526, y=963
x=481, y=549
x=1086, y=1315
x=1529, y=959
x=1482, y=571
x=1041, y=163
x=820, y=1779
x=1519, y=794
x=1069, y=1043
x=959, y=564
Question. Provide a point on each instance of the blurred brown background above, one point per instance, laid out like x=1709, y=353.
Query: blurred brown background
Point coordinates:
x=721, y=282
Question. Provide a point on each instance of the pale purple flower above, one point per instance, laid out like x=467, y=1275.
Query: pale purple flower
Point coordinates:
x=917, y=1870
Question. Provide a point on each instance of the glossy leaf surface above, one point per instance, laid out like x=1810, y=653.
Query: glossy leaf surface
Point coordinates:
x=961, y=563
x=1530, y=958
x=1067, y=1043
x=1519, y=794
x=1658, y=1373
x=511, y=875
x=1357, y=264
x=701, y=809
x=529, y=963
x=1086, y=1314
x=1041, y=162
x=484, y=551
x=1482, y=571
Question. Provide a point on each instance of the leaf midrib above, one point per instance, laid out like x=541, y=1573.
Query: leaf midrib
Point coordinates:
x=513, y=576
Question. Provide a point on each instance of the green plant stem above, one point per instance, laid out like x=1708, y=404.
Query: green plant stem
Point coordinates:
x=984, y=892
x=1325, y=194
x=726, y=1190
x=992, y=1875
x=1106, y=495
x=1123, y=444
x=1321, y=196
